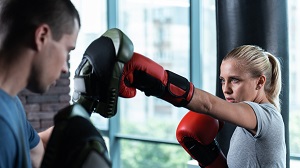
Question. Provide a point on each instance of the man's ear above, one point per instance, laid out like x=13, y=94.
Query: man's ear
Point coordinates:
x=42, y=34
x=261, y=82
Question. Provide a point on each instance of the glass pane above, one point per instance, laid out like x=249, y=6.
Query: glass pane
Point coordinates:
x=158, y=29
x=294, y=60
x=148, y=155
x=93, y=24
x=209, y=47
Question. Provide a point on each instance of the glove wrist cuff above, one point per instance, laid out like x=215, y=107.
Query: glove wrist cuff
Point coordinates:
x=179, y=91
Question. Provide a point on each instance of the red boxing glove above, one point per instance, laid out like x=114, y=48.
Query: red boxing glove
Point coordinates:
x=196, y=134
x=151, y=78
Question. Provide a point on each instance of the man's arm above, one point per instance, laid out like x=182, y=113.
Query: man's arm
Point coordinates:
x=45, y=135
x=37, y=153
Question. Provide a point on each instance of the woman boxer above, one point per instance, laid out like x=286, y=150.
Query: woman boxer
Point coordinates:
x=251, y=84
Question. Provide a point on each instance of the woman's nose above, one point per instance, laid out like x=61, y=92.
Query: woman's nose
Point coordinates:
x=226, y=88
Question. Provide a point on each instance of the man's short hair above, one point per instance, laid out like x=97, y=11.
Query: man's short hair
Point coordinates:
x=20, y=18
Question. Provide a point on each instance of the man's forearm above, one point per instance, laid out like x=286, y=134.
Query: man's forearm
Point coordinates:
x=45, y=135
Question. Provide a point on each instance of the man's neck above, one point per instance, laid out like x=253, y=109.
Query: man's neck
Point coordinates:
x=13, y=77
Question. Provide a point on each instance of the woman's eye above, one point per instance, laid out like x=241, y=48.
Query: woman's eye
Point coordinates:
x=234, y=80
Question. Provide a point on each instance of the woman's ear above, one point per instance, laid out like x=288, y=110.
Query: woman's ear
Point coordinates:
x=42, y=34
x=261, y=82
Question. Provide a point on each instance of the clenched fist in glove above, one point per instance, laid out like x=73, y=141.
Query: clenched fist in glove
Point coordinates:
x=196, y=134
x=151, y=78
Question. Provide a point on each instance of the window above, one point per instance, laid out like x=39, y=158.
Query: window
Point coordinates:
x=209, y=47
x=294, y=60
x=159, y=29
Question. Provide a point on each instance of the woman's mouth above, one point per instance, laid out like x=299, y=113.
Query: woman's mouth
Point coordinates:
x=231, y=100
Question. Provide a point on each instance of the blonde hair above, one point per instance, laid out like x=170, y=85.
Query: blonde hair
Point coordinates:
x=259, y=62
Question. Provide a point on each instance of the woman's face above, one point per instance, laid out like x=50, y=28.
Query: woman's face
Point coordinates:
x=237, y=83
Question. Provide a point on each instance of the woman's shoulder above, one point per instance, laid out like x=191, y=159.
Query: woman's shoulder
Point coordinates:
x=265, y=110
x=262, y=106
